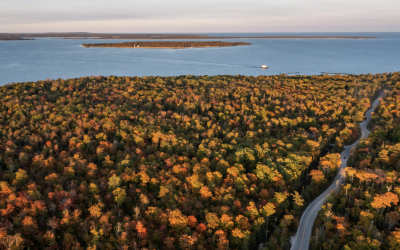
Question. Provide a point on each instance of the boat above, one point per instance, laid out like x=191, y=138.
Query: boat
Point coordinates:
x=264, y=67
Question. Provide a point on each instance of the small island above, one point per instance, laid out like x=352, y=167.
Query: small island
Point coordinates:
x=166, y=44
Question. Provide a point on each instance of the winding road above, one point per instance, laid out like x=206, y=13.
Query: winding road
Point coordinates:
x=302, y=239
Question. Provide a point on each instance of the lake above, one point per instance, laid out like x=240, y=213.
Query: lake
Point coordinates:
x=48, y=58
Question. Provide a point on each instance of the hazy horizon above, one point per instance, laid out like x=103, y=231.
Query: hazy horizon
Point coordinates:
x=200, y=33
x=208, y=16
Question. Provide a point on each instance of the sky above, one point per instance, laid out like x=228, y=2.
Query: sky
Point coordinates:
x=201, y=16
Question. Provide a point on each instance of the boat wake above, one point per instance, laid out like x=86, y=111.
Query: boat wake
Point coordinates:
x=199, y=62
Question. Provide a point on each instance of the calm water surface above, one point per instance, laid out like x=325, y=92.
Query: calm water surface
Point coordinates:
x=40, y=59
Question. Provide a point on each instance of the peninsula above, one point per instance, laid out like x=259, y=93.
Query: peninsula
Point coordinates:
x=166, y=44
x=10, y=37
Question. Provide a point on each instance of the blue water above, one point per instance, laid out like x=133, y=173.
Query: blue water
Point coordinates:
x=46, y=58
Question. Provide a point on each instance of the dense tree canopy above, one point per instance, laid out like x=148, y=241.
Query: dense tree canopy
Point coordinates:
x=172, y=162
x=366, y=211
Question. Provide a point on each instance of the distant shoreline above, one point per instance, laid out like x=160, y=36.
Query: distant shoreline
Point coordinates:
x=312, y=37
x=16, y=39
x=83, y=35
x=210, y=38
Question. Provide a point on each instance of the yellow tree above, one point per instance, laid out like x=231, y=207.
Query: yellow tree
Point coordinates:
x=298, y=200
x=119, y=195
x=281, y=197
x=268, y=210
x=177, y=220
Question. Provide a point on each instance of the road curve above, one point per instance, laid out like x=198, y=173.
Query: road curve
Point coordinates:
x=302, y=238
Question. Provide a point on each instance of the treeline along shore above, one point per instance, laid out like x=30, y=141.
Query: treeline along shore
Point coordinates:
x=10, y=37
x=165, y=44
x=23, y=36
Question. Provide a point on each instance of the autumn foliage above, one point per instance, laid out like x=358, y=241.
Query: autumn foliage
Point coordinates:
x=183, y=162
x=366, y=212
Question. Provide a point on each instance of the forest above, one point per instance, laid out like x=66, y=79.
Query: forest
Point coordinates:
x=366, y=211
x=185, y=162
x=165, y=44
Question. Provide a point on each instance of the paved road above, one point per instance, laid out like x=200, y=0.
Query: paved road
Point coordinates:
x=302, y=238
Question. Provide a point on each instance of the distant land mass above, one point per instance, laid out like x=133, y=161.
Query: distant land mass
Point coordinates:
x=166, y=44
x=80, y=35
x=11, y=37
